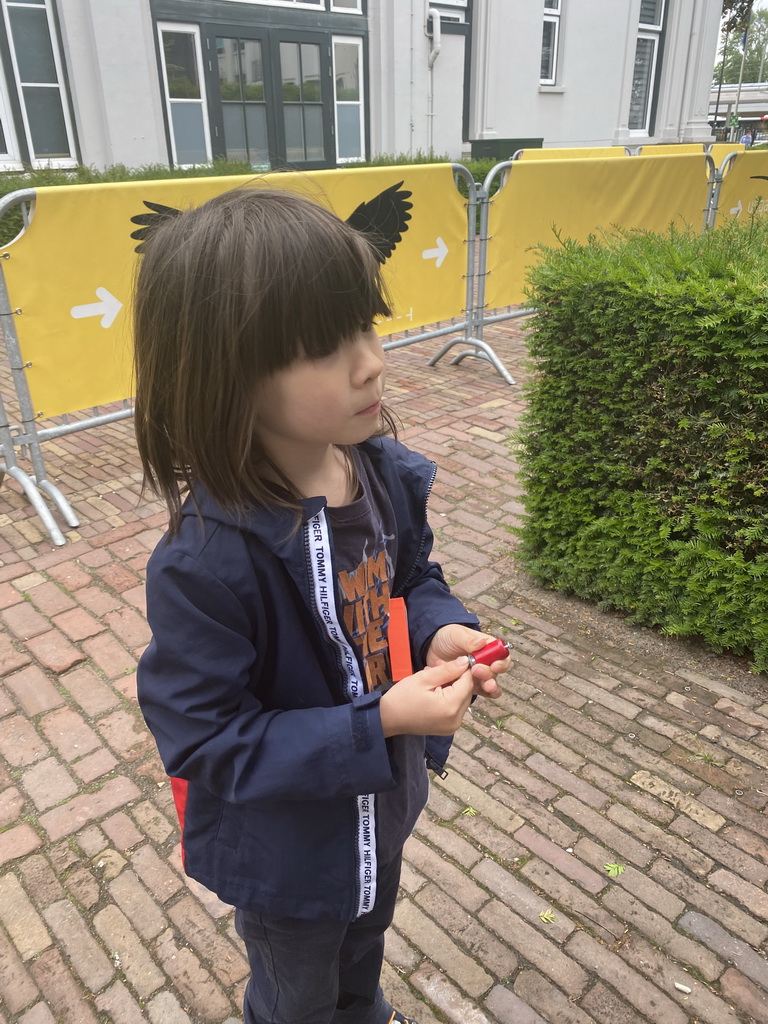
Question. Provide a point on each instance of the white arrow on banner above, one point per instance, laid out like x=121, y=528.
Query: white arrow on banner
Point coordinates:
x=107, y=309
x=437, y=254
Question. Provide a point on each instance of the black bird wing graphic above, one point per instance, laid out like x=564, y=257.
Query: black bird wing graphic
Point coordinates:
x=149, y=221
x=383, y=220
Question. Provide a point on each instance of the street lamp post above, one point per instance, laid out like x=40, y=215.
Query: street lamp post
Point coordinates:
x=741, y=72
x=722, y=72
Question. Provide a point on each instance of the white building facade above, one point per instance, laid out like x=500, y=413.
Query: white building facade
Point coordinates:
x=319, y=83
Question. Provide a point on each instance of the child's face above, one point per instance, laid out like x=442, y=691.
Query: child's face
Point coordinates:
x=319, y=402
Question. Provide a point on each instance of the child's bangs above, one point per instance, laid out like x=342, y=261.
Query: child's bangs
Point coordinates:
x=338, y=291
x=347, y=305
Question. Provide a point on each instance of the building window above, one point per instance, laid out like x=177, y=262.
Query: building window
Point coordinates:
x=243, y=100
x=348, y=6
x=302, y=102
x=9, y=147
x=348, y=99
x=269, y=94
x=646, y=63
x=314, y=4
x=36, y=79
x=550, y=41
x=185, y=95
x=651, y=14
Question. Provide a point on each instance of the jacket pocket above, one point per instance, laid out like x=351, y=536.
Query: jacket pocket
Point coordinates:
x=228, y=828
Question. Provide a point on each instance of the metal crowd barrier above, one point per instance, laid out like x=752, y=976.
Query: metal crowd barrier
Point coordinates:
x=465, y=327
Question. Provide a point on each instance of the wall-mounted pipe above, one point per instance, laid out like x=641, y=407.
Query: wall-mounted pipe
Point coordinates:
x=436, y=36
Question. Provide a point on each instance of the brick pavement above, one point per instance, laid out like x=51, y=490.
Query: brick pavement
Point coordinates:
x=508, y=915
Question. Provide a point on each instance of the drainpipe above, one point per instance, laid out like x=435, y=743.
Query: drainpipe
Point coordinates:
x=435, y=36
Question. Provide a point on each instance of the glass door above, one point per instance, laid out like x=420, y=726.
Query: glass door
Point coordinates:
x=244, y=100
x=272, y=97
x=305, y=105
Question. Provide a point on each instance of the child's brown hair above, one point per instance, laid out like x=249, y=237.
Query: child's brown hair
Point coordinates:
x=227, y=294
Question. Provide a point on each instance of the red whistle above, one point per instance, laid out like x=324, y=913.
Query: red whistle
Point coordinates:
x=496, y=650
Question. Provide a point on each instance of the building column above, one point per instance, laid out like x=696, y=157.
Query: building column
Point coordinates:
x=484, y=80
x=702, y=52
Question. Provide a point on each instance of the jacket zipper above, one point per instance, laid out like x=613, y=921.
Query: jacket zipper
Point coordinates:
x=342, y=676
x=337, y=657
x=410, y=575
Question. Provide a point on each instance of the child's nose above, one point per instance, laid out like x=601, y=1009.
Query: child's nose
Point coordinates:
x=371, y=362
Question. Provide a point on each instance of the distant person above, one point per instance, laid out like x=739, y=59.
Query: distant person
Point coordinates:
x=746, y=139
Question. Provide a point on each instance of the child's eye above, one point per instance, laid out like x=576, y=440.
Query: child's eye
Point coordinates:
x=367, y=326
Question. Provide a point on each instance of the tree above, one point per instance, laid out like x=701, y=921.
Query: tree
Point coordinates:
x=736, y=15
x=754, y=63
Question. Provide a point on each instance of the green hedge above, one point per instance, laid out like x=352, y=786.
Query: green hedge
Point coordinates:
x=644, y=449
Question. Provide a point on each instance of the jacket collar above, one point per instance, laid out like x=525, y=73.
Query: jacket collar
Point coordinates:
x=275, y=525
x=272, y=524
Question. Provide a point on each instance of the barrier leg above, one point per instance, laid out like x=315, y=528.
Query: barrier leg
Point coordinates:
x=35, y=498
x=32, y=487
x=61, y=503
x=41, y=478
x=480, y=350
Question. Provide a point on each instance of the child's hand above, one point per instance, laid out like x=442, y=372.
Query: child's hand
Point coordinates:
x=428, y=703
x=451, y=641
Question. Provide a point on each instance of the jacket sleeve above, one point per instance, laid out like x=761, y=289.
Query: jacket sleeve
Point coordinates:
x=430, y=603
x=211, y=729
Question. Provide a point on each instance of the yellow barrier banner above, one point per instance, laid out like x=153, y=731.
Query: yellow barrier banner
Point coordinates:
x=70, y=273
x=678, y=149
x=574, y=153
x=744, y=191
x=720, y=150
x=577, y=198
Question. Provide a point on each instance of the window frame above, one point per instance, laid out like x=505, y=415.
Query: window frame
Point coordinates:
x=35, y=161
x=654, y=34
x=324, y=102
x=187, y=28
x=644, y=129
x=280, y=126
x=335, y=9
x=653, y=26
x=302, y=5
x=360, y=102
x=10, y=159
x=218, y=104
x=552, y=16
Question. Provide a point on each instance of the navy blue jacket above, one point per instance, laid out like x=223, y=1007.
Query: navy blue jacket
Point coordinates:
x=275, y=755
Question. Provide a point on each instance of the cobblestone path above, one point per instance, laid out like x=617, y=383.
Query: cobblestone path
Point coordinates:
x=598, y=852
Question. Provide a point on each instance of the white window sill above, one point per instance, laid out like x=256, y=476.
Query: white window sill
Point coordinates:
x=559, y=89
x=58, y=165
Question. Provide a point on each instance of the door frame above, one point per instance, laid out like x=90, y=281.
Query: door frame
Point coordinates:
x=256, y=33
x=270, y=37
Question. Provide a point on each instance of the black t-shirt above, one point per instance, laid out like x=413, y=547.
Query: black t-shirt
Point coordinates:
x=365, y=549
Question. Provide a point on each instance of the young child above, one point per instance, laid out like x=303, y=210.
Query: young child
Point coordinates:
x=297, y=774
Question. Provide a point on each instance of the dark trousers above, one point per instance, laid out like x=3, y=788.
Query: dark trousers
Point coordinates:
x=319, y=972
